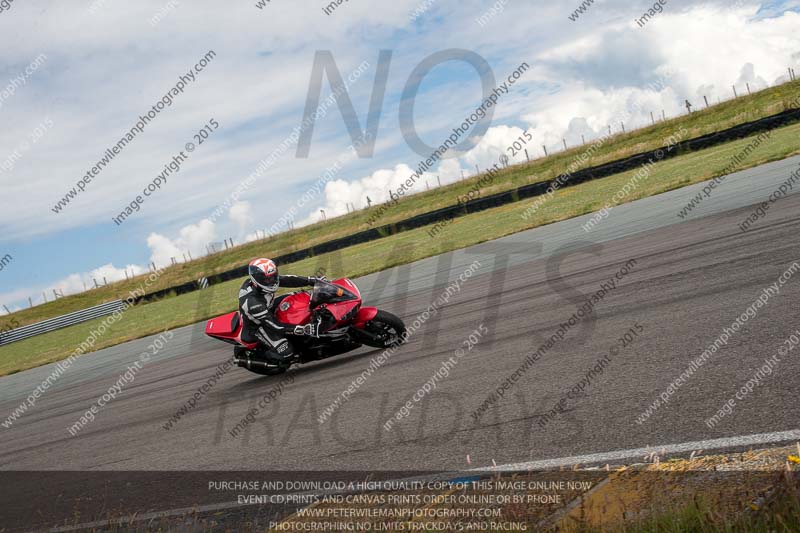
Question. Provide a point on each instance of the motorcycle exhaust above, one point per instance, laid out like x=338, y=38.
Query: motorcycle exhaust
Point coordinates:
x=362, y=336
x=248, y=363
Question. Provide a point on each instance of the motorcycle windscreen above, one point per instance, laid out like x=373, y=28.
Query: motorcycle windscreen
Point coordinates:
x=294, y=309
x=325, y=293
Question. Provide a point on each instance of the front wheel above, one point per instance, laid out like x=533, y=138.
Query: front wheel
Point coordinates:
x=384, y=331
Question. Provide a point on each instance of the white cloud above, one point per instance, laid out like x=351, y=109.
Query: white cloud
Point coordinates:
x=241, y=214
x=192, y=239
x=71, y=284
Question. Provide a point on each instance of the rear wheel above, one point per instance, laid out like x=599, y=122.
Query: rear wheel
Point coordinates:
x=386, y=331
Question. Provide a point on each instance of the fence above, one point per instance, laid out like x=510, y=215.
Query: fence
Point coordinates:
x=59, y=322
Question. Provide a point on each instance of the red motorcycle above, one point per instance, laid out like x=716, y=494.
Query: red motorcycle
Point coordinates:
x=344, y=326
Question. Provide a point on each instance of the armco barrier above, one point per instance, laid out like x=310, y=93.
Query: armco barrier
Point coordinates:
x=52, y=324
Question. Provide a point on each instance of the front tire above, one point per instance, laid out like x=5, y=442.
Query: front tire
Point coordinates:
x=385, y=331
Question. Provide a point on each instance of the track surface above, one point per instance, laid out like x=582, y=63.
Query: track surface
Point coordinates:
x=692, y=278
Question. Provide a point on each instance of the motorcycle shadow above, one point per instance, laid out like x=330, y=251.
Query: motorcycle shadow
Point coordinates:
x=258, y=381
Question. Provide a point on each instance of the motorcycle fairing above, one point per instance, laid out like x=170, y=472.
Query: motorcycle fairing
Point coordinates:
x=228, y=328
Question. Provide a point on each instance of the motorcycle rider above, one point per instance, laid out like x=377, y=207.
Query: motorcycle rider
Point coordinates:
x=257, y=306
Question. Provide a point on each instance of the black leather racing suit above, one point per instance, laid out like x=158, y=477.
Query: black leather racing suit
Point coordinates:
x=257, y=310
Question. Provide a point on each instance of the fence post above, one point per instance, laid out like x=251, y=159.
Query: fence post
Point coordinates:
x=105, y=281
x=734, y=92
x=623, y=126
x=545, y=150
x=439, y=180
x=527, y=157
x=748, y=88
x=706, y=99
x=30, y=301
x=663, y=115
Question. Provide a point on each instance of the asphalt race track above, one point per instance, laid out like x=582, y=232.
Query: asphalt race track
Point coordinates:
x=692, y=278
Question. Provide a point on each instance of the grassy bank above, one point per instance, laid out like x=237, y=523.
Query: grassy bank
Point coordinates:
x=404, y=247
x=747, y=108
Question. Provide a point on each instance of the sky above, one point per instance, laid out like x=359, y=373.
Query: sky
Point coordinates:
x=76, y=76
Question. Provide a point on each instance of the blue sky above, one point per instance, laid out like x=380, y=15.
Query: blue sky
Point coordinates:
x=107, y=65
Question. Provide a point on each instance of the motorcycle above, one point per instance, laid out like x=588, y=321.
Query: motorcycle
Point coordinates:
x=343, y=326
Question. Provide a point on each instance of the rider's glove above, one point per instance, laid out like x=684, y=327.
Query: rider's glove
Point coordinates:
x=319, y=278
x=310, y=330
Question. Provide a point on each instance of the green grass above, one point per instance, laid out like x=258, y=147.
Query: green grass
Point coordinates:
x=716, y=118
x=403, y=248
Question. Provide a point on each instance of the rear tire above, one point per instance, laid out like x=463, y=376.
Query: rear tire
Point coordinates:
x=387, y=330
